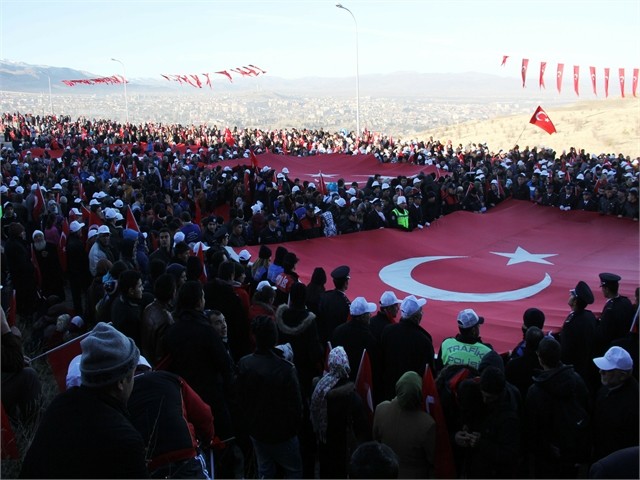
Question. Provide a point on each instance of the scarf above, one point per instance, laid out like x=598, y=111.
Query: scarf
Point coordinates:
x=338, y=369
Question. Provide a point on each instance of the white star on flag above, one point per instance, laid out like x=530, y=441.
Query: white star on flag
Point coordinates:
x=521, y=256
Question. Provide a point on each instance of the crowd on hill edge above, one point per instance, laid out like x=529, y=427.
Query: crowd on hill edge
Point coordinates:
x=146, y=248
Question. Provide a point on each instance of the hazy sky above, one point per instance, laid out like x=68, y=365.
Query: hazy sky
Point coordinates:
x=294, y=39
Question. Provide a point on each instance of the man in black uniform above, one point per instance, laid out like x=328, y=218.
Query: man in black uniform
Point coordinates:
x=617, y=313
x=334, y=304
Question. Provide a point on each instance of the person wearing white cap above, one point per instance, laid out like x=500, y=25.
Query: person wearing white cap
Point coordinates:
x=399, y=217
x=77, y=266
x=389, y=308
x=355, y=336
x=405, y=345
x=101, y=249
x=615, y=414
x=466, y=348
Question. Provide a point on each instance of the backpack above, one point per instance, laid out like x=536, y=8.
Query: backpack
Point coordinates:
x=570, y=439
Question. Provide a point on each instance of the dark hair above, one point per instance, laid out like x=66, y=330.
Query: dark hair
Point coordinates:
x=157, y=267
x=319, y=276
x=164, y=287
x=280, y=253
x=549, y=352
x=373, y=460
x=189, y=296
x=266, y=295
x=532, y=338
x=298, y=295
x=185, y=216
x=492, y=380
x=117, y=268
x=194, y=268
x=180, y=247
x=265, y=332
x=226, y=270
x=533, y=317
x=127, y=280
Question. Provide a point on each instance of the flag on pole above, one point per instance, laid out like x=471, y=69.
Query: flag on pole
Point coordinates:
x=559, y=76
x=131, y=220
x=364, y=384
x=254, y=159
x=543, y=67
x=322, y=186
x=576, y=79
x=504, y=60
x=634, y=82
x=38, y=204
x=592, y=73
x=525, y=65
x=444, y=464
x=621, y=75
x=542, y=120
x=606, y=82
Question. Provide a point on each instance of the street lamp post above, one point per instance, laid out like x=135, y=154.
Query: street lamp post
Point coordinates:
x=50, y=99
x=339, y=5
x=124, y=78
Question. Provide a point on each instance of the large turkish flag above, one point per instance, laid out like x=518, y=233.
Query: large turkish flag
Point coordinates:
x=516, y=256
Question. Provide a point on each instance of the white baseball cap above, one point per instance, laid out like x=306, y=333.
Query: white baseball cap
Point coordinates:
x=360, y=306
x=411, y=305
x=616, y=358
x=264, y=284
x=389, y=298
x=75, y=226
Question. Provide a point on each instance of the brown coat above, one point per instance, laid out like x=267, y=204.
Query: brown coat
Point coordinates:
x=411, y=434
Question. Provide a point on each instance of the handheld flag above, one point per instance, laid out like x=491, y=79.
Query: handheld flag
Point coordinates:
x=542, y=120
x=444, y=464
x=364, y=382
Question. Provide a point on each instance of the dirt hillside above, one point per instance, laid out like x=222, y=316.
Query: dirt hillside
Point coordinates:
x=600, y=126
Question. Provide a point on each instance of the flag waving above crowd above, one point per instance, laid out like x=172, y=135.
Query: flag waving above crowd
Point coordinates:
x=204, y=79
x=113, y=80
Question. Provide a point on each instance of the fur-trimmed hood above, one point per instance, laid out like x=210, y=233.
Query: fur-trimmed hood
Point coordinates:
x=292, y=321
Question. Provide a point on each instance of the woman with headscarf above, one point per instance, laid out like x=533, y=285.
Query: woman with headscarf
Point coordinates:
x=338, y=417
x=403, y=425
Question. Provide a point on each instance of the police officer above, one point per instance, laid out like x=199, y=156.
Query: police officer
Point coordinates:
x=466, y=348
x=400, y=215
x=617, y=314
x=333, y=309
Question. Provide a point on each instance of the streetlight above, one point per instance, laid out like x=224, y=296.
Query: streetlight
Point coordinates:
x=339, y=5
x=124, y=78
x=50, y=100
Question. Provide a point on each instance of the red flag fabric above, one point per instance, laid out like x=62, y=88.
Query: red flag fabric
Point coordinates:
x=60, y=357
x=634, y=82
x=11, y=311
x=364, y=385
x=198, y=250
x=559, y=76
x=197, y=216
x=576, y=79
x=112, y=169
x=247, y=187
x=444, y=464
x=542, y=120
x=333, y=166
x=8, y=444
x=131, y=220
x=65, y=224
x=62, y=251
x=606, y=83
x=322, y=186
x=543, y=67
x=94, y=219
x=592, y=73
x=621, y=75
x=228, y=138
x=525, y=65
x=38, y=204
x=254, y=160
x=522, y=255
x=134, y=169
x=504, y=60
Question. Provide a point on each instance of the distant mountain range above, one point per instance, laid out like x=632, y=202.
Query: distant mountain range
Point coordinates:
x=25, y=78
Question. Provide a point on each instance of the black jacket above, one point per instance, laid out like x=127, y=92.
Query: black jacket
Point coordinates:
x=85, y=434
x=270, y=397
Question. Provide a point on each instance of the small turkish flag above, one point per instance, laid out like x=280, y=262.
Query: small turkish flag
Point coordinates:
x=542, y=120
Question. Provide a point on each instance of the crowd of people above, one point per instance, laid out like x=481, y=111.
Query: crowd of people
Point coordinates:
x=149, y=258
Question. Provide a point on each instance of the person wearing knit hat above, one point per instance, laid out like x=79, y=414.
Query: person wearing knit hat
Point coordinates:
x=83, y=423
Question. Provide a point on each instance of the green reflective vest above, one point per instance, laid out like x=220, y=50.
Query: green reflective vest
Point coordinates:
x=455, y=352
